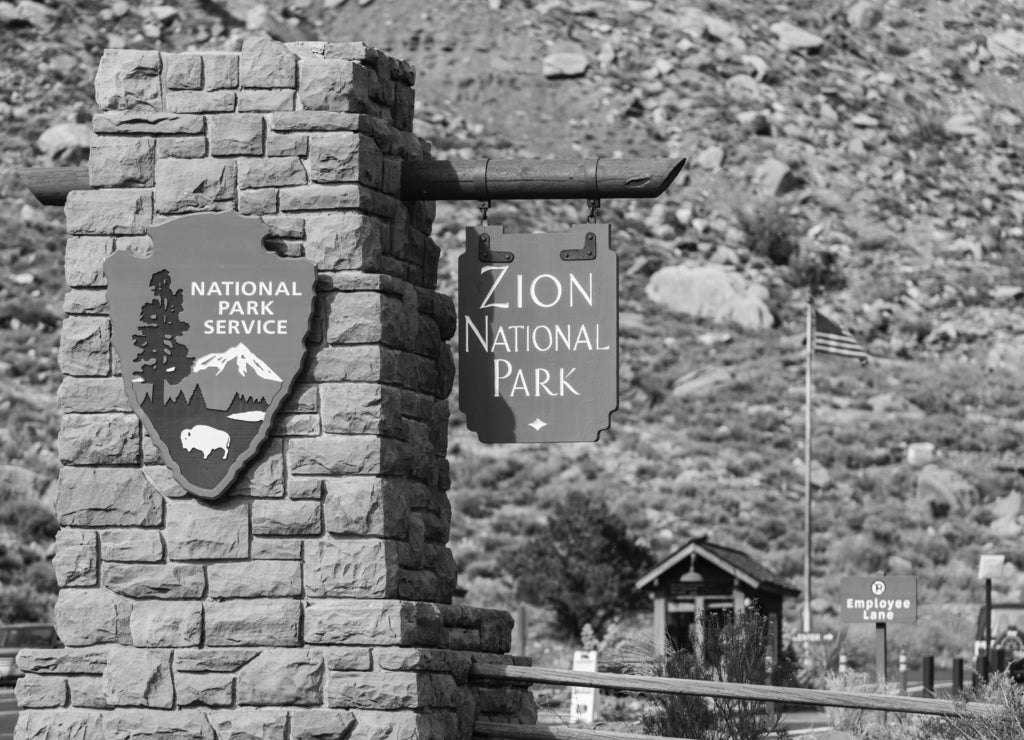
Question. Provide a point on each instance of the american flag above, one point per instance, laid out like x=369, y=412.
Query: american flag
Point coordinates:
x=833, y=339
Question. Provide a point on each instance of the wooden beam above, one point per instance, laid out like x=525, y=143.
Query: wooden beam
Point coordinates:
x=716, y=689
x=529, y=179
x=471, y=179
x=51, y=185
x=504, y=731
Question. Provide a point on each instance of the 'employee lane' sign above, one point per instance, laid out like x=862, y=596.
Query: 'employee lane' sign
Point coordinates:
x=878, y=599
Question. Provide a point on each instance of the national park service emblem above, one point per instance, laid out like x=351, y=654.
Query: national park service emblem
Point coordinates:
x=210, y=332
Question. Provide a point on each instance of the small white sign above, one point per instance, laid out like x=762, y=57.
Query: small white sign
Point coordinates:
x=584, y=699
x=991, y=566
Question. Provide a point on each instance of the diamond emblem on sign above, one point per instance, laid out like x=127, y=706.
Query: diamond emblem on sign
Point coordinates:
x=538, y=424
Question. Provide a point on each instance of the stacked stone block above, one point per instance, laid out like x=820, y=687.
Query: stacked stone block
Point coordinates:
x=313, y=600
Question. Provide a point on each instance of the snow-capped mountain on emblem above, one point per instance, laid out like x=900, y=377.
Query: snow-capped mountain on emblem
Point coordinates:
x=228, y=377
x=243, y=358
x=209, y=331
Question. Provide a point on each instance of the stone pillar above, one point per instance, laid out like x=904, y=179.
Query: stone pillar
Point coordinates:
x=313, y=600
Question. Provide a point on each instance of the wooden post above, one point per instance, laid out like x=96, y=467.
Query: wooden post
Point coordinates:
x=523, y=630
x=660, y=625
x=987, y=665
x=928, y=676
x=880, y=656
x=958, y=676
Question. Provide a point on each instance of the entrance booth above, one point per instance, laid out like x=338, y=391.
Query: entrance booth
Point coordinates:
x=704, y=577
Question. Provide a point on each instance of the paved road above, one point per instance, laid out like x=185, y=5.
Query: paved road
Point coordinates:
x=8, y=713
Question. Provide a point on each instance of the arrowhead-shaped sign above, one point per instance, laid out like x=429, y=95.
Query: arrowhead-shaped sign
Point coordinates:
x=209, y=331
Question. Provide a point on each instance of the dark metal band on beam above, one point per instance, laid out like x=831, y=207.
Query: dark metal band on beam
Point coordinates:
x=470, y=179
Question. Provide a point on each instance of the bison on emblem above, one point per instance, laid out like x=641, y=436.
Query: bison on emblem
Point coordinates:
x=205, y=439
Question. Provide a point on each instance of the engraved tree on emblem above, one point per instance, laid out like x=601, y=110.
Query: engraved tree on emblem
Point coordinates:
x=162, y=358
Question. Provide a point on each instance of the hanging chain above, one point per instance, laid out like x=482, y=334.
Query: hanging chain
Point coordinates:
x=593, y=204
x=483, y=205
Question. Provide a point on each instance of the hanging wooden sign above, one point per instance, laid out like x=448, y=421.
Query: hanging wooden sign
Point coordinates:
x=538, y=334
x=209, y=331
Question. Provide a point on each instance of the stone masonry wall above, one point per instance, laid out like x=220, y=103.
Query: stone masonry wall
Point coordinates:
x=313, y=600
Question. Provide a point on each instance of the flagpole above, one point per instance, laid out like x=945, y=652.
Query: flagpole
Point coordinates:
x=809, y=349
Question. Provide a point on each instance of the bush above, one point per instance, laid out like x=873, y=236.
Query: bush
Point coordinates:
x=22, y=603
x=770, y=231
x=819, y=270
x=1006, y=722
x=735, y=650
x=582, y=565
x=861, y=723
x=33, y=521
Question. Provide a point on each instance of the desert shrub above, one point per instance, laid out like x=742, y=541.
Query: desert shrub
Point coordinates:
x=40, y=576
x=22, y=603
x=869, y=724
x=682, y=715
x=818, y=269
x=735, y=649
x=582, y=564
x=770, y=231
x=1006, y=722
x=33, y=521
x=925, y=125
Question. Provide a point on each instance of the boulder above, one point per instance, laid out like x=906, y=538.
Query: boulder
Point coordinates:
x=1008, y=507
x=720, y=30
x=863, y=15
x=567, y=60
x=711, y=291
x=774, y=177
x=690, y=20
x=820, y=477
x=710, y=158
x=65, y=140
x=920, y=454
x=1008, y=44
x=792, y=37
x=701, y=382
x=946, y=491
x=1006, y=354
x=894, y=404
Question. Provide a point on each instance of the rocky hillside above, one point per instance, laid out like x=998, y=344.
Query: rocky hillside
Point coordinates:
x=870, y=148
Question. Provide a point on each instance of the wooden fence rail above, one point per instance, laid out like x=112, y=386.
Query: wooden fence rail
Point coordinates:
x=502, y=731
x=715, y=689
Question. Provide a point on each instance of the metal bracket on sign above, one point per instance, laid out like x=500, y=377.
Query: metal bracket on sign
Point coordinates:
x=486, y=255
x=588, y=252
